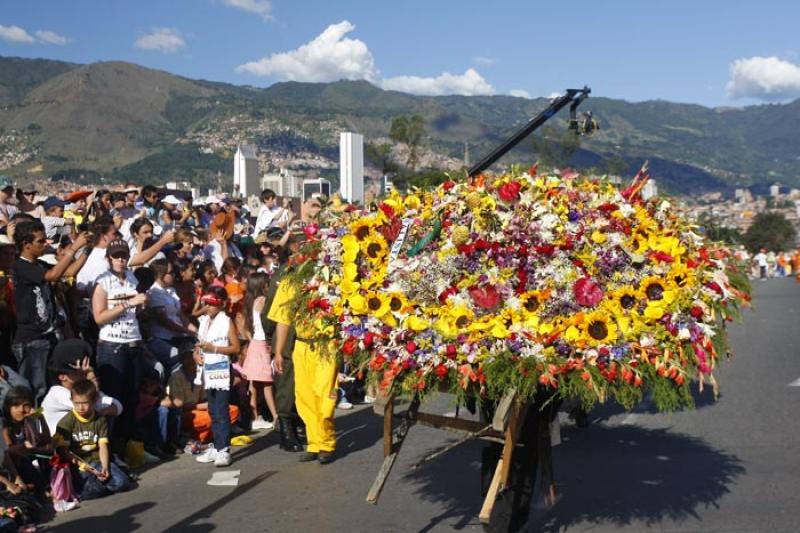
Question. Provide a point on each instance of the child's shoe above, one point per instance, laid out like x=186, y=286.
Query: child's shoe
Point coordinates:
x=62, y=506
x=260, y=423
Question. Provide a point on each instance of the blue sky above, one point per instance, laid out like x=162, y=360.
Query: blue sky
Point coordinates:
x=711, y=52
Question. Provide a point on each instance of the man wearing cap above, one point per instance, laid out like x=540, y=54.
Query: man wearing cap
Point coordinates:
x=172, y=215
x=54, y=217
x=35, y=335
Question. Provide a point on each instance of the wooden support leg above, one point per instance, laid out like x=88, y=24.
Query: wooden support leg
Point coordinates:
x=392, y=442
x=544, y=494
x=501, y=473
x=388, y=417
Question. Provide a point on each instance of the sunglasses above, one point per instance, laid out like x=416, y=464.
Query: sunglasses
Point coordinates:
x=120, y=256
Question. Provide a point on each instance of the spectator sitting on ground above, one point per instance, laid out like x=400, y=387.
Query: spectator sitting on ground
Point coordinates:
x=82, y=436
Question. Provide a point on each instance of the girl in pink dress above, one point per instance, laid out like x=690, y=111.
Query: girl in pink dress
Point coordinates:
x=258, y=361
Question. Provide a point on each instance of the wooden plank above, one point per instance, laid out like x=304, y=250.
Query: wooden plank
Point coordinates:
x=503, y=410
x=379, y=405
x=388, y=416
x=449, y=423
x=380, y=479
x=508, y=446
x=491, y=494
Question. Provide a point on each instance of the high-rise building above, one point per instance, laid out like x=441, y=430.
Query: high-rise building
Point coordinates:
x=650, y=189
x=351, y=166
x=274, y=182
x=245, y=172
x=317, y=187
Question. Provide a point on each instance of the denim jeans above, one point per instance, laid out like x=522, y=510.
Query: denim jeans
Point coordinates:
x=32, y=359
x=161, y=426
x=218, y=401
x=163, y=351
x=119, y=371
x=89, y=487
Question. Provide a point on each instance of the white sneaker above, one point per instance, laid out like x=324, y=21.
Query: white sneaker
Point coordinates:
x=368, y=399
x=62, y=506
x=208, y=456
x=223, y=458
x=344, y=404
x=260, y=423
x=149, y=458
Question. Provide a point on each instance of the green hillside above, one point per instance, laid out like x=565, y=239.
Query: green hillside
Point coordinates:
x=119, y=119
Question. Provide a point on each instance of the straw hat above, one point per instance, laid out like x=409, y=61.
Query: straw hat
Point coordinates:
x=223, y=222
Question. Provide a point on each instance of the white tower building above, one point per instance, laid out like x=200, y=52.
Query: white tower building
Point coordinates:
x=650, y=189
x=351, y=166
x=245, y=171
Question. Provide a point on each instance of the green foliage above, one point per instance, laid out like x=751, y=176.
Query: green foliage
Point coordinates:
x=380, y=155
x=180, y=162
x=770, y=230
x=718, y=233
x=409, y=131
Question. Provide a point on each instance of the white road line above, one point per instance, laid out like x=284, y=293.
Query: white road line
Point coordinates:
x=795, y=383
x=225, y=478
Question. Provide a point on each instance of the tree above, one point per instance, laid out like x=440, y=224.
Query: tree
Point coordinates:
x=409, y=131
x=554, y=147
x=770, y=230
x=381, y=156
x=717, y=232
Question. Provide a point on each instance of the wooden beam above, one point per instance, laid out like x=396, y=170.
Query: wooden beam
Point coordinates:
x=449, y=423
x=491, y=495
x=388, y=415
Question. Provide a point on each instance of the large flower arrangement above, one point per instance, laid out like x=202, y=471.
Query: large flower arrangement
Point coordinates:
x=524, y=281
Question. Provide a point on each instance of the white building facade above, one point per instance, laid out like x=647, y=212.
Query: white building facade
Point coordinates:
x=245, y=172
x=351, y=166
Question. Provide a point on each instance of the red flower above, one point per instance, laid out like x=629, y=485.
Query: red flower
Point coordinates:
x=311, y=230
x=447, y=293
x=587, y=292
x=714, y=287
x=545, y=249
x=387, y=210
x=391, y=230
x=509, y=192
x=451, y=351
x=449, y=184
x=533, y=169
x=664, y=257
x=369, y=339
x=441, y=371
x=608, y=208
x=485, y=297
x=411, y=346
x=697, y=312
x=349, y=346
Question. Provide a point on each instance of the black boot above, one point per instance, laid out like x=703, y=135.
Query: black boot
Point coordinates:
x=289, y=441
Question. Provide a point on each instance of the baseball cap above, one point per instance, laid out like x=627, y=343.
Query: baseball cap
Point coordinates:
x=68, y=352
x=52, y=201
x=117, y=246
x=171, y=199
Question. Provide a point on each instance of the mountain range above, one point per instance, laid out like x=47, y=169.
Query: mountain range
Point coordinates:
x=118, y=120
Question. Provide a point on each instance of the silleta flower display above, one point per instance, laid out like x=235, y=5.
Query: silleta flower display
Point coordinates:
x=524, y=281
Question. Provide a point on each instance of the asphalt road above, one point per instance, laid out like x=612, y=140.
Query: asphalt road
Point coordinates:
x=732, y=465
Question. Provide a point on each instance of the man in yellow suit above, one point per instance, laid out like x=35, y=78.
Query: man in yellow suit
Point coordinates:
x=315, y=377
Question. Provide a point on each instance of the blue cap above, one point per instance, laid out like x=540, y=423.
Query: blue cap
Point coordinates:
x=52, y=201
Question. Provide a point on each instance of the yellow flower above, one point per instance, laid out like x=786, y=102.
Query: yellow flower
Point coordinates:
x=377, y=303
x=412, y=202
x=397, y=302
x=459, y=235
x=625, y=299
x=375, y=248
x=362, y=228
x=349, y=287
x=598, y=328
x=659, y=293
x=682, y=276
x=416, y=323
x=350, y=248
x=599, y=237
x=349, y=271
x=358, y=304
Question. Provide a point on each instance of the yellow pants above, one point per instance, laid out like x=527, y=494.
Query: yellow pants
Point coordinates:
x=315, y=394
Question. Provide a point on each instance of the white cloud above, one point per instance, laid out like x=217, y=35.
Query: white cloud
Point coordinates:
x=555, y=94
x=332, y=56
x=483, y=60
x=519, y=93
x=165, y=40
x=50, y=37
x=328, y=57
x=260, y=7
x=15, y=34
x=765, y=78
x=470, y=83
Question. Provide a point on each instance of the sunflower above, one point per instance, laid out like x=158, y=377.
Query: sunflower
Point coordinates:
x=626, y=299
x=453, y=320
x=377, y=303
x=397, y=302
x=659, y=294
x=349, y=287
x=532, y=301
x=682, y=276
x=598, y=327
x=358, y=304
x=375, y=248
x=349, y=271
x=362, y=228
x=416, y=323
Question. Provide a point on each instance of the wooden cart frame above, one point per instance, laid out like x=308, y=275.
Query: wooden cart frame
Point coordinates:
x=505, y=428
